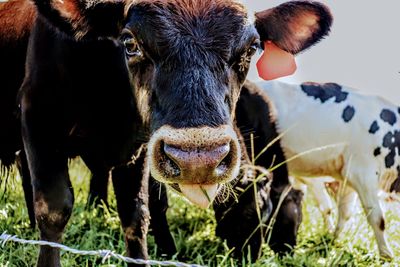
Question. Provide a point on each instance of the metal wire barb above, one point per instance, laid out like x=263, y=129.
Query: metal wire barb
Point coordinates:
x=105, y=254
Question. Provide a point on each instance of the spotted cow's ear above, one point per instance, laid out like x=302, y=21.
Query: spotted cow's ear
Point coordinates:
x=294, y=26
x=84, y=19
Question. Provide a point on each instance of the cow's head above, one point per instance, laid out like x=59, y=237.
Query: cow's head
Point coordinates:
x=241, y=214
x=188, y=60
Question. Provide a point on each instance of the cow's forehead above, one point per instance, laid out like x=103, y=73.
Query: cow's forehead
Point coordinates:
x=193, y=5
x=193, y=13
x=216, y=24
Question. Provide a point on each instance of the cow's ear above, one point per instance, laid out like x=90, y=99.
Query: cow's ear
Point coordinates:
x=294, y=26
x=83, y=19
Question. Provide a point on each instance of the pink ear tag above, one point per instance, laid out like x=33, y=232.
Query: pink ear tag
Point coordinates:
x=275, y=62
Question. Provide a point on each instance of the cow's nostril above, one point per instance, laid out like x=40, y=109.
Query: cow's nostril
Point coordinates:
x=168, y=163
x=224, y=164
x=173, y=153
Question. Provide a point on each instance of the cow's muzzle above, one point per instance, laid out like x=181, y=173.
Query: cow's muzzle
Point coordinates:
x=198, y=160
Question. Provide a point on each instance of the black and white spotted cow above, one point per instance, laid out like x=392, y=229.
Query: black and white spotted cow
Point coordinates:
x=331, y=130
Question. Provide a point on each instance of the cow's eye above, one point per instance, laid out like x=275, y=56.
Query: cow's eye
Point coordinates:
x=253, y=48
x=131, y=47
x=245, y=58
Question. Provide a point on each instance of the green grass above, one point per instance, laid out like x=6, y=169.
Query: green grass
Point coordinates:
x=193, y=231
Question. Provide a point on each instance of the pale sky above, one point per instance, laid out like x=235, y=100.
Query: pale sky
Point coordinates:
x=362, y=50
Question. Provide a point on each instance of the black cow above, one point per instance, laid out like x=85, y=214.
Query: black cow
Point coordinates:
x=174, y=73
x=245, y=220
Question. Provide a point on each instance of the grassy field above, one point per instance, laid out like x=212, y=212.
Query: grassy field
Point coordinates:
x=193, y=230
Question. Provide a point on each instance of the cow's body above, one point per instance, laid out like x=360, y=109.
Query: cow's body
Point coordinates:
x=17, y=19
x=339, y=132
x=76, y=113
x=13, y=44
x=175, y=72
x=83, y=107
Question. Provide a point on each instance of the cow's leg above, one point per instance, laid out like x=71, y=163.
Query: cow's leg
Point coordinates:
x=324, y=200
x=131, y=191
x=365, y=181
x=52, y=191
x=98, y=190
x=158, y=205
x=53, y=202
x=372, y=208
x=346, y=201
x=23, y=169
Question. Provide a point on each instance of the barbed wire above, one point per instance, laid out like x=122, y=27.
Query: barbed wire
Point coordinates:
x=105, y=254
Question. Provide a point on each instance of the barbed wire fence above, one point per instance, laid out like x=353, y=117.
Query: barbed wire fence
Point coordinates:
x=103, y=253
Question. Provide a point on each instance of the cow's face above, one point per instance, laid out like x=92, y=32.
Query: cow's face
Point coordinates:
x=188, y=60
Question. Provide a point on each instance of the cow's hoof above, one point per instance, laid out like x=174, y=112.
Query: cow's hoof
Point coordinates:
x=386, y=254
x=337, y=232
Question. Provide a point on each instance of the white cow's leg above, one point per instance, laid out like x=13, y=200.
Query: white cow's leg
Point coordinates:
x=324, y=200
x=346, y=204
x=365, y=182
x=376, y=219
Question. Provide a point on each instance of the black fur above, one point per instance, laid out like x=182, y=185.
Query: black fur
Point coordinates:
x=391, y=141
x=374, y=127
x=83, y=20
x=237, y=217
x=348, y=113
x=395, y=187
x=388, y=116
x=182, y=61
x=324, y=92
